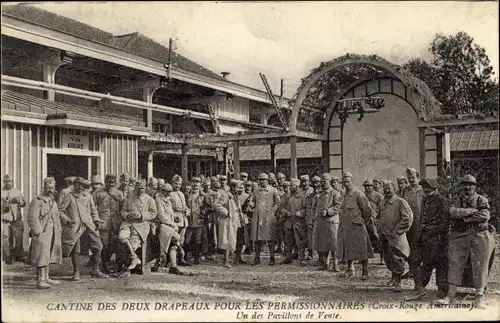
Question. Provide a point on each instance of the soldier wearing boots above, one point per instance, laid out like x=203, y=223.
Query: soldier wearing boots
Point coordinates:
x=181, y=213
x=228, y=209
x=137, y=212
x=395, y=220
x=284, y=192
x=471, y=237
x=309, y=206
x=249, y=191
x=45, y=233
x=295, y=226
x=353, y=239
x=167, y=231
x=243, y=236
x=326, y=212
x=430, y=247
x=196, y=221
x=264, y=203
x=211, y=189
x=79, y=216
x=375, y=199
x=12, y=222
x=108, y=201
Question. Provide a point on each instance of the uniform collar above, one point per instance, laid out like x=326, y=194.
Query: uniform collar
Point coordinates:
x=45, y=198
x=391, y=200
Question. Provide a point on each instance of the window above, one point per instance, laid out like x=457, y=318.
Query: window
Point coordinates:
x=206, y=168
x=162, y=128
x=191, y=169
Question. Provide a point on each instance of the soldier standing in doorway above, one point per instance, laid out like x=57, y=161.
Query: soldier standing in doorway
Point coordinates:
x=265, y=201
x=79, y=216
x=471, y=237
x=12, y=222
x=136, y=214
x=108, y=200
x=353, y=240
x=45, y=233
x=430, y=246
x=413, y=194
x=395, y=220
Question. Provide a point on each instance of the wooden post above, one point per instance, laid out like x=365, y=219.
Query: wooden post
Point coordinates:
x=325, y=156
x=150, y=164
x=184, y=162
x=224, y=158
x=49, y=76
x=236, y=159
x=293, y=157
x=147, y=96
x=439, y=154
x=421, y=148
x=273, y=158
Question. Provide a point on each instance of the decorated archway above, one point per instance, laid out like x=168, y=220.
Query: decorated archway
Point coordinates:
x=410, y=101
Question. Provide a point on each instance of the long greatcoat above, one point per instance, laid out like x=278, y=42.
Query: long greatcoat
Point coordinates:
x=167, y=229
x=266, y=201
x=108, y=202
x=145, y=208
x=45, y=232
x=394, y=221
x=228, y=209
x=326, y=227
x=414, y=195
x=353, y=241
x=80, y=208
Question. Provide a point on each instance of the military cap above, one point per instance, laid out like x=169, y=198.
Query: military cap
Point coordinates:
x=280, y=175
x=49, y=180
x=468, y=179
x=7, y=177
x=140, y=183
x=367, y=182
x=411, y=171
x=196, y=179
x=161, y=181
x=304, y=178
x=153, y=181
x=222, y=177
x=243, y=174
x=295, y=181
x=388, y=182
x=316, y=179
x=207, y=180
x=96, y=179
x=376, y=181
x=125, y=176
x=166, y=187
x=176, y=179
x=215, y=179
x=70, y=179
x=429, y=182
x=401, y=178
x=110, y=177
x=335, y=179
x=347, y=174
x=263, y=176
x=272, y=176
x=248, y=183
x=79, y=180
x=86, y=182
x=286, y=184
x=234, y=182
x=326, y=176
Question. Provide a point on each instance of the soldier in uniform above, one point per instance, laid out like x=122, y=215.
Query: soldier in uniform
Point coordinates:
x=78, y=216
x=264, y=204
x=12, y=221
x=223, y=183
x=228, y=209
x=377, y=185
x=413, y=194
x=249, y=187
x=210, y=219
x=326, y=212
x=470, y=238
x=395, y=220
x=95, y=183
x=308, y=191
x=402, y=184
x=295, y=226
x=45, y=233
x=243, y=236
x=244, y=177
x=108, y=201
x=161, y=182
x=181, y=213
x=375, y=198
x=280, y=181
x=167, y=231
x=125, y=185
x=196, y=221
x=284, y=192
x=430, y=246
x=137, y=212
x=353, y=240
x=68, y=181
x=152, y=187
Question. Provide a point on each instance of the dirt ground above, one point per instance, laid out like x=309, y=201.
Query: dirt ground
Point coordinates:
x=212, y=283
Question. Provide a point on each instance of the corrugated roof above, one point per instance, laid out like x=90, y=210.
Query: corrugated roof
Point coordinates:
x=282, y=151
x=134, y=43
x=24, y=102
x=476, y=140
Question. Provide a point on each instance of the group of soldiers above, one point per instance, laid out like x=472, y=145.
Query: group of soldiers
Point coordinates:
x=407, y=222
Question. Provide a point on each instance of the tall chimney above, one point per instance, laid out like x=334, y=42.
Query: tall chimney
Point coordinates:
x=225, y=75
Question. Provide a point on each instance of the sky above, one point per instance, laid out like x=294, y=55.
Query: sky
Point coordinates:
x=288, y=39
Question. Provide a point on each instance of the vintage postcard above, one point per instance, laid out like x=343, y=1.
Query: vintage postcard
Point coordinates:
x=250, y=161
